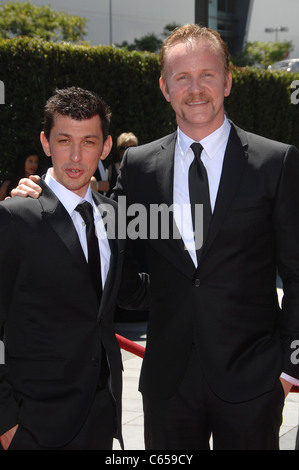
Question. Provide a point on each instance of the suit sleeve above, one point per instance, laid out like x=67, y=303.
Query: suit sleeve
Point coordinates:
x=287, y=246
x=122, y=184
x=134, y=292
x=9, y=267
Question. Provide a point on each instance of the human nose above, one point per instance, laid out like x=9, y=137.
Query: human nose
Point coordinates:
x=76, y=153
x=196, y=85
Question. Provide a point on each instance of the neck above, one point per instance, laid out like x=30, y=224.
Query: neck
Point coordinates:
x=198, y=132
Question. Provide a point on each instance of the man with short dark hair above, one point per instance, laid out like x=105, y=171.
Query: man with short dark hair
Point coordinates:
x=219, y=348
x=60, y=386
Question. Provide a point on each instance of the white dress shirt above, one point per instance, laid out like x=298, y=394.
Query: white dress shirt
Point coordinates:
x=212, y=157
x=70, y=201
x=214, y=146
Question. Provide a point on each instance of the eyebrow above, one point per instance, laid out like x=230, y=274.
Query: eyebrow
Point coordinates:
x=88, y=136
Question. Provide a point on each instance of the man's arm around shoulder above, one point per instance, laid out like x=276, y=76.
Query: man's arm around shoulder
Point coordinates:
x=28, y=187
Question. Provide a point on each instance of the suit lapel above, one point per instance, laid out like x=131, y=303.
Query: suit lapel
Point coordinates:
x=164, y=177
x=234, y=163
x=109, y=215
x=58, y=218
x=54, y=213
x=165, y=169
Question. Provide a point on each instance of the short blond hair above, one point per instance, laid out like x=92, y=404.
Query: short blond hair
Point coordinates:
x=125, y=138
x=190, y=32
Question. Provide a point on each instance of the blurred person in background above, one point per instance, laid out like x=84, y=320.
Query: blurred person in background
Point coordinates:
x=218, y=359
x=27, y=163
x=124, y=141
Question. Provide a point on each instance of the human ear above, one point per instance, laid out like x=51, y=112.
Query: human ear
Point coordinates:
x=164, y=88
x=106, y=148
x=45, y=144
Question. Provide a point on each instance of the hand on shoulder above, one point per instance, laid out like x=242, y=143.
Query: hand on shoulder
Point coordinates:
x=28, y=187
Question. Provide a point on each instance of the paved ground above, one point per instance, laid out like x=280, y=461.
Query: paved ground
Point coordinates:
x=132, y=403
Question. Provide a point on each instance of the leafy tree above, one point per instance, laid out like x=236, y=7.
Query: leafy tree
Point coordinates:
x=169, y=28
x=150, y=42
x=264, y=53
x=25, y=19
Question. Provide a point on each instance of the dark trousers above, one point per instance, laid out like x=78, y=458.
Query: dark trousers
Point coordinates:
x=187, y=420
x=96, y=433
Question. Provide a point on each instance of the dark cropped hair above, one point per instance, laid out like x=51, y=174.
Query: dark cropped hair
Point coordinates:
x=78, y=104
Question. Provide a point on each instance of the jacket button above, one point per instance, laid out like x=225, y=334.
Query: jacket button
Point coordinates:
x=95, y=361
x=197, y=282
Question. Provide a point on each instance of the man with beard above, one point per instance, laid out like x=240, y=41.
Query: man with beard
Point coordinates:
x=218, y=342
x=218, y=356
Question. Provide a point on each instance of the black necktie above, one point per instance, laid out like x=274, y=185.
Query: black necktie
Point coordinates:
x=94, y=263
x=199, y=194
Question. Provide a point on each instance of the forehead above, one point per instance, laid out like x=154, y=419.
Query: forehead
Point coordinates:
x=193, y=53
x=32, y=156
x=74, y=127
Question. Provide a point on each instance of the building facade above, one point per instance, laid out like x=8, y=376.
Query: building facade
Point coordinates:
x=229, y=17
x=238, y=21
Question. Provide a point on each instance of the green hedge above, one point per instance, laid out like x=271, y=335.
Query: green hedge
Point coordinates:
x=260, y=101
x=128, y=81
x=32, y=69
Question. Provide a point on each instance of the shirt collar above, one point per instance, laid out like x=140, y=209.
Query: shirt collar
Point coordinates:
x=211, y=143
x=68, y=198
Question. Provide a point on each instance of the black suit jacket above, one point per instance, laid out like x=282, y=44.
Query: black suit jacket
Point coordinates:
x=50, y=319
x=228, y=307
